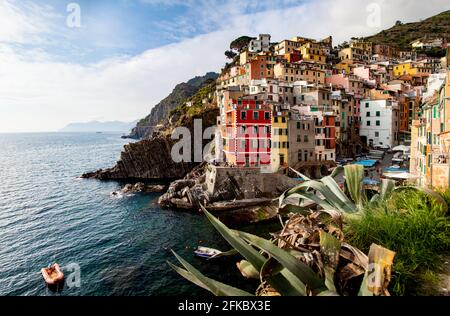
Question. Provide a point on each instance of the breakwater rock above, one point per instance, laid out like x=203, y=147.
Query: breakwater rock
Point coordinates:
x=246, y=195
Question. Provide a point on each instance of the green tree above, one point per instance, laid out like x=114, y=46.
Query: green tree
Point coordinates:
x=230, y=54
x=240, y=43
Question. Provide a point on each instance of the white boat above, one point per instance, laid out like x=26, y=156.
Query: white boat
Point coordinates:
x=205, y=252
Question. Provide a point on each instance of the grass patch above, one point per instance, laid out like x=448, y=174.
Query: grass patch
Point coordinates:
x=416, y=228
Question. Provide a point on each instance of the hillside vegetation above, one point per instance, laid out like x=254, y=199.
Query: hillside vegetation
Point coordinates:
x=160, y=112
x=401, y=35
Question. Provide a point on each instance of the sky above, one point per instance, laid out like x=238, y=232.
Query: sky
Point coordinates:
x=79, y=61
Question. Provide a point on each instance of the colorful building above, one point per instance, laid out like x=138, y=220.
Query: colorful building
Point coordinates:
x=325, y=136
x=288, y=72
x=280, y=137
x=430, y=143
x=313, y=52
x=412, y=68
x=247, y=139
x=379, y=122
x=302, y=139
x=261, y=66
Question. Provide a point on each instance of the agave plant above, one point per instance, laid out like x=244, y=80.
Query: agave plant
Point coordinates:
x=350, y=199
x=307, y=258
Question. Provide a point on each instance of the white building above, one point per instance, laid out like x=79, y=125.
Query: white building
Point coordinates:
x=428, y=43
x=379, y=122
x=272, y=89
x=262, y=44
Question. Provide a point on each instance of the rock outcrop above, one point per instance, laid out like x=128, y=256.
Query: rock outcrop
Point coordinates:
x=144, y=188
x=151, y=158
x=160, y=112
x=225, y=189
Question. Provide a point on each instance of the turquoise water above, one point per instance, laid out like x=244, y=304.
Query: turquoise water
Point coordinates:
x=121, y=245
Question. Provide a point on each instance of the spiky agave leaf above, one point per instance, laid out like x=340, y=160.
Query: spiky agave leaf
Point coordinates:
x=354, y=176
x=378, y=274
x=304, y=273
x=330, y=199
x=330, y=249
x=215, y=287
x=247, y=270
x=285, y=283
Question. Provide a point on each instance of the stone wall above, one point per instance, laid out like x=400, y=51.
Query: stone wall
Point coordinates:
x=250, y=182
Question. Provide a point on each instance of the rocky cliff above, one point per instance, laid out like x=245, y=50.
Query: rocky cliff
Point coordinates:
x=182, y=92
x=151, y=158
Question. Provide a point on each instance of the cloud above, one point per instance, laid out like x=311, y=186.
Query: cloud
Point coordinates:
x=24, y=22
x=41, y=93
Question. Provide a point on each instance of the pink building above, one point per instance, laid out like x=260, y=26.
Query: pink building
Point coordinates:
x=351, y=84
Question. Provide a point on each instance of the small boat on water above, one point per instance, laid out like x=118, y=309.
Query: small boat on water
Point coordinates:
x=53, y=275
x=208, y=253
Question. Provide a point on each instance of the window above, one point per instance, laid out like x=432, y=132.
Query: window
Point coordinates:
x=368, y=123
x=378, y=123
x=266, y=116
x=378, y=113
x=299, y=138
x=377, y=134
x=243, y=129
x=306, y=139
x=298, y=125
x=243, y=144
x=275, y=119
x=367, y=105
x=283, y=120
x=263, y=143
x=368, y=114
x=267, y=130
x=255, y=129
x=243, y=115
x=255, y=115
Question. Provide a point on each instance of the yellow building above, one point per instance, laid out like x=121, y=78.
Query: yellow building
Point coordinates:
x=410, y=68
x=366, y=47
x=246, y=57
x=346, y=66
x=286, y=47
x=297, y=72
x=280, y=137
x=313, y=52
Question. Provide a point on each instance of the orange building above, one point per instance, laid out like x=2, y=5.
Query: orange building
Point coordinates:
x=261, y=67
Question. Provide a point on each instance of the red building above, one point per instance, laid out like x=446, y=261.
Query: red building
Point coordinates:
x=248, y=142
x=325, y=137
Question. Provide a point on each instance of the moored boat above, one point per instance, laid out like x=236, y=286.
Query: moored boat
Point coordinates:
x=208, y=253
x=53, y=275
